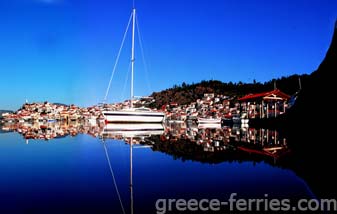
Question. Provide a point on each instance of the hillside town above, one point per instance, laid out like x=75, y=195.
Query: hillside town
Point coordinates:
x=261, y=105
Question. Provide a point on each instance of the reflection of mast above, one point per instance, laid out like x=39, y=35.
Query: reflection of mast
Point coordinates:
x=129, y=134
x=113, y=177
x=131, y=180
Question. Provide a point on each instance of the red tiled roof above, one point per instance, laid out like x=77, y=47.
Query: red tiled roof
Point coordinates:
x=276, y=92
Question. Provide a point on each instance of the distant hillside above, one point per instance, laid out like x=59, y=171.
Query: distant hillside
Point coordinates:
x=186, y=93
x=4, y=111
x=61, y=104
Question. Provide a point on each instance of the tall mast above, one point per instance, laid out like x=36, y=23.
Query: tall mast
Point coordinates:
x=132, y=54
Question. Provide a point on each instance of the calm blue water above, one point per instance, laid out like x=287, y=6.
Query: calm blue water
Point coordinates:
x=72, y=175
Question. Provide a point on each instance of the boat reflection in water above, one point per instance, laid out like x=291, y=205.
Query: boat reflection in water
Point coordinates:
x=124, y=130
x=205, y=137
x=181, y=141
x=134, y=133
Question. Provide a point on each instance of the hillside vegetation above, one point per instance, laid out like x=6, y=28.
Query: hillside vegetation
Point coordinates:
x=187, y=93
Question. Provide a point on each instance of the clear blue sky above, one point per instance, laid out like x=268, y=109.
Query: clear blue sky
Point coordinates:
x=64, y=50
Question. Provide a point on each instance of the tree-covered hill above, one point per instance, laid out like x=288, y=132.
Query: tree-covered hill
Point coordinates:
x=187, y=93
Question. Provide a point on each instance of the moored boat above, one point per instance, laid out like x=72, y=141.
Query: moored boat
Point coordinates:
x=209, y=120
x=132, y=115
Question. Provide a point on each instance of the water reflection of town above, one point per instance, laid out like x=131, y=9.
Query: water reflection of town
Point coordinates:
x=53, y=130
x=180, y=139
x=215, y=138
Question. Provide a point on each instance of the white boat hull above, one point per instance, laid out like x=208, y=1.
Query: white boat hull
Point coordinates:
x=244, y=121
x=209, y=126
x=209, y=120
x=133, y=117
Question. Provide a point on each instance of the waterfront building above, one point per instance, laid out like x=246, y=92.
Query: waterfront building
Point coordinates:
x=264, y=105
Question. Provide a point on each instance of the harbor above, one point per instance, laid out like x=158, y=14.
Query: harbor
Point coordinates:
x=167, y=107
x=224, y=108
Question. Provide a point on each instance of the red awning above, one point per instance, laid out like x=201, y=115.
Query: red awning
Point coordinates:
x=275, y=92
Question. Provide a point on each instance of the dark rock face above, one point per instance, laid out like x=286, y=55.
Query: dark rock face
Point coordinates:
x=315, y=100
x=314, y=110
x=311, y=128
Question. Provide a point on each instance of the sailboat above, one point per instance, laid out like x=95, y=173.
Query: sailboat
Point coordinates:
x=133, y=115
